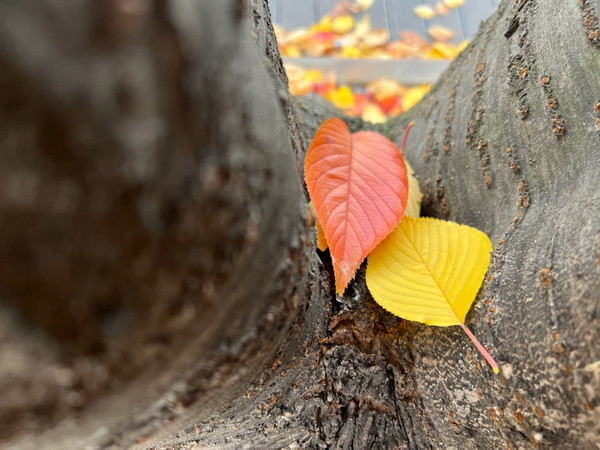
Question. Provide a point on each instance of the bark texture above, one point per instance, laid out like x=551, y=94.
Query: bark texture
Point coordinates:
x=159, y=283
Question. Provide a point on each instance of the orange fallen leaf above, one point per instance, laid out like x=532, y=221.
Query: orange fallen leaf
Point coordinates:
x=390, y=106
x=399, y=49
x=412, y=39
x=441, y=9
x=358, y=184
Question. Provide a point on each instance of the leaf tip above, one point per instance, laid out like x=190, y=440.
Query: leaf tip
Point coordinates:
x=343, y=272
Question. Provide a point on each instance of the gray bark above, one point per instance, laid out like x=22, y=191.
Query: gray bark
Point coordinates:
x=159, y=282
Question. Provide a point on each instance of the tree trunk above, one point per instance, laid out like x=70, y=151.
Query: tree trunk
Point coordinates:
x=159, y=280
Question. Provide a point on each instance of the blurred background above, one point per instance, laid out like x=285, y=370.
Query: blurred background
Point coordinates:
x=372, y=58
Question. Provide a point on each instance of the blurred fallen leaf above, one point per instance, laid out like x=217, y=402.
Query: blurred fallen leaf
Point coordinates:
x=279, y=32
x=345, y=36
x=343, y=8
x=379, y=53
x=365, y=4
x=351, y=52
x=342, y=24
x=440, y=33
x=413, y=40
x=361, y=100
x=424, y=12
x=399, y=49
x=294, y=72
x=441, y=9
x=323, y=25
x=376, y=37
x=362, y=27
x=383, y=88
x=297, y=37
x=319, y=44
x=372, y=113
x=342, y=97
x=414, y=96
x=454, y=3
x=340, y=9
x=460, y=47
x=441, y=50
x=390, y=106
x=291, y=51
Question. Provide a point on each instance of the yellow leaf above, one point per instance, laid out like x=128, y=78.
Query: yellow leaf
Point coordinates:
x=378, y=54
x=424, y=12
x=460, y=47
x=291, y=51
x=321, y=239
x=433, y=54
x=342, y=24
x=413, y=205
x=414, y=96
x=429, y=270
x=351, y=52
x=444, y=50
x=323, y=26
x=313, y=75
x=454, y=3
x=314, y=218
x=373, y=114
x=342, y=97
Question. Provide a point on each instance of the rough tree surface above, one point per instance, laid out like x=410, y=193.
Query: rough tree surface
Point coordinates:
x=160, y=285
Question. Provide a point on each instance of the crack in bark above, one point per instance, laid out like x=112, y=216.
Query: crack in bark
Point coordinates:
x=449, y=119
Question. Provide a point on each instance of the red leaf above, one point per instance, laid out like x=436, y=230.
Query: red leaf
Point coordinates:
x=359, y=187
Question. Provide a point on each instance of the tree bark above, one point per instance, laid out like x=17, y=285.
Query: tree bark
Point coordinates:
x=159, y=280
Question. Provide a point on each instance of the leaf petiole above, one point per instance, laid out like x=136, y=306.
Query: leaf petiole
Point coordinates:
x=481, y=349
x=408, y=127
